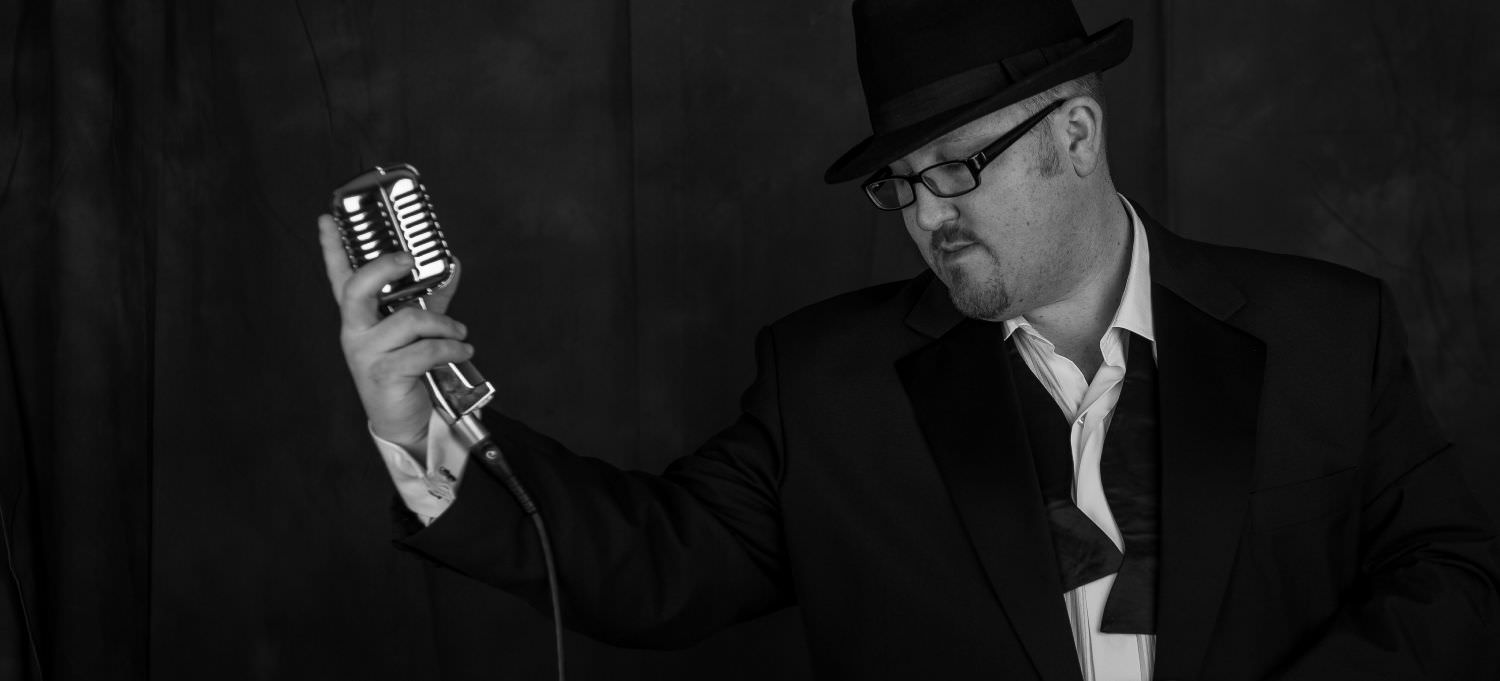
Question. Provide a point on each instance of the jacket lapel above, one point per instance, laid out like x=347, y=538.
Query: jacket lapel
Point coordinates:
x=1209, y=375
x=1209, y=379
x=960, y=389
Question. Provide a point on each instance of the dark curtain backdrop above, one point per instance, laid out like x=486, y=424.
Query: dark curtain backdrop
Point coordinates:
x=186, y=485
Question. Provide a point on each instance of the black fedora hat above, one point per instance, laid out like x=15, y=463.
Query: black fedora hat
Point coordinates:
x=930, y=66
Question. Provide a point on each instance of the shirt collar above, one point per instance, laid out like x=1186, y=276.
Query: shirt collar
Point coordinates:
x=1134, y=312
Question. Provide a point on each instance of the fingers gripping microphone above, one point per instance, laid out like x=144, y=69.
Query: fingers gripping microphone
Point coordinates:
x=387, y=210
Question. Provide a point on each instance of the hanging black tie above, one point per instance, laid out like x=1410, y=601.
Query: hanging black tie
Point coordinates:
x=1130, y=469
x=1129, y=472
x=1084, y=552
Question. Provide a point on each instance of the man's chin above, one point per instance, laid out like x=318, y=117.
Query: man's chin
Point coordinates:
x=985, y=300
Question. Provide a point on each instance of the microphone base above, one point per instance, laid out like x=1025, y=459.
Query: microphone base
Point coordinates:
x=469, y=431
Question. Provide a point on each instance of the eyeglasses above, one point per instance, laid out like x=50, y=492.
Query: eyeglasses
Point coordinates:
x=949, y=178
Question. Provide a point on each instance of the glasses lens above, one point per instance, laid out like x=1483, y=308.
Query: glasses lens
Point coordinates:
x=949, y=179
x=890, y=194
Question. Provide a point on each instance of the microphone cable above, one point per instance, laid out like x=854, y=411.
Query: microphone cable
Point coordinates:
x=15, y=581
x=485, y=448
x=387, y=210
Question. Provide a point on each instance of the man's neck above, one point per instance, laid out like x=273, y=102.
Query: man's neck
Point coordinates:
x=1075, y=324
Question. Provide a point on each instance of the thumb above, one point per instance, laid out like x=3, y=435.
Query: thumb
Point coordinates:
x=440, y=298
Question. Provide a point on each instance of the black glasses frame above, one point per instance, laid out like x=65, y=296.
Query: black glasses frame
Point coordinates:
x=975, y=163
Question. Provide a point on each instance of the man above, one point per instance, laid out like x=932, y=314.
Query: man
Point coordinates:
x=1244, y=482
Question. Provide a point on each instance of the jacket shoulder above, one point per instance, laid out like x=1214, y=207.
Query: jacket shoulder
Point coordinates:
x=855, y=323
x=1293, y=282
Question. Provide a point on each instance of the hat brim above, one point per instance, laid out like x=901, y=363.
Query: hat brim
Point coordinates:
x=1103, y=50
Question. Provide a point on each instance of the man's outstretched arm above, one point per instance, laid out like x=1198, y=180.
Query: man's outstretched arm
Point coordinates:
x=643, y=560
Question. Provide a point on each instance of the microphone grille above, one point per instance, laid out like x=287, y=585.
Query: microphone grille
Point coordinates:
x=387, y=210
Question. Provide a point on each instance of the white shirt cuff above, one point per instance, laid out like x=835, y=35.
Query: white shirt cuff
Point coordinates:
x=427, y=481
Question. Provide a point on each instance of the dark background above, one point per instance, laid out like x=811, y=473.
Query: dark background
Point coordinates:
x=635, y=189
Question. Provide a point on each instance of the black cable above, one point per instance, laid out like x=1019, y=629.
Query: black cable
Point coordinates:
x=557, y=632
x=491, y=454
x=15, y=579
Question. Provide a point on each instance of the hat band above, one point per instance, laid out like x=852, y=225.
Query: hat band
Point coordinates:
x=964, y=87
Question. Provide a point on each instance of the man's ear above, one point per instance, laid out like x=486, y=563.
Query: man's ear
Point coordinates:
x=1083, y=134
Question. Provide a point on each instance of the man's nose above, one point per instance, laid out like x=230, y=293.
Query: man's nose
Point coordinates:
x=932, y=211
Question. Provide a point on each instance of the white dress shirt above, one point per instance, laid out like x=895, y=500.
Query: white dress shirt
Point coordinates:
x=427, y=481
x=1089, y=405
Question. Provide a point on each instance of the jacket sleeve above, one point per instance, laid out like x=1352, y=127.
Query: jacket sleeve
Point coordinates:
x=643, y=560
x=1428, y=596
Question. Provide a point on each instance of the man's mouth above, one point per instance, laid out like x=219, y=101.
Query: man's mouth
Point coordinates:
x=952, y=248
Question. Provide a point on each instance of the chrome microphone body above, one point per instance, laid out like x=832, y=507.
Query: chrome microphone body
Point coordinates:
x=387, y=210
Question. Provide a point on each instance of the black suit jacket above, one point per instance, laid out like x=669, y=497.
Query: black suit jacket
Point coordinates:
x=1314, y=525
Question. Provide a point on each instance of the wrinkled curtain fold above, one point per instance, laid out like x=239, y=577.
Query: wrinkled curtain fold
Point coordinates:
x=634, y=187
x=75, y=275
x=19, y=654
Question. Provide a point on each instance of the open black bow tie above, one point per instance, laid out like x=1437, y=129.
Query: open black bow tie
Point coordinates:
x=1129, y=468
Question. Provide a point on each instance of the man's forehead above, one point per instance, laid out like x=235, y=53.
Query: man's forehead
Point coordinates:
x=983, y=128
x=991, y=124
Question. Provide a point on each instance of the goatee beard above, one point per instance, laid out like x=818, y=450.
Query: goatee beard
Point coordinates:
x=982, y=299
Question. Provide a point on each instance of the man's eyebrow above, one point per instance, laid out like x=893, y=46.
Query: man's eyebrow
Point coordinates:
x=955, y=143
x=948, y=146
x=956, y=137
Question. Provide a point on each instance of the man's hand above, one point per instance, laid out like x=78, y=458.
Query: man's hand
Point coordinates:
x=387, y=357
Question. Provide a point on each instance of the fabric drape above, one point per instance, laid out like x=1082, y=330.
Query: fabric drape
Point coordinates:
x=634, y=189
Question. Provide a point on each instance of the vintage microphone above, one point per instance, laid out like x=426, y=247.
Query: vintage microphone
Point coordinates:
x=387, y=210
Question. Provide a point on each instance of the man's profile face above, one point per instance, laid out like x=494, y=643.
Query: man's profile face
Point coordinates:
x=1008, y=246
